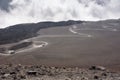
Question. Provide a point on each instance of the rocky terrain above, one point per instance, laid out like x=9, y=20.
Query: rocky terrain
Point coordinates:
x=20, y=72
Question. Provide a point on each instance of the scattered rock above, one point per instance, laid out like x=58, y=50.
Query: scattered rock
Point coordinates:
x=104, y=74
x=12, y=73
x=97, y=68
x=34, y=73
x=20, y=72
x=96, y=77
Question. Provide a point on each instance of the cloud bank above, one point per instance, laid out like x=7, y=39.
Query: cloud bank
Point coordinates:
x=31, y=11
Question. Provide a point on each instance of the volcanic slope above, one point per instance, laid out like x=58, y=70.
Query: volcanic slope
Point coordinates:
x=81, y=43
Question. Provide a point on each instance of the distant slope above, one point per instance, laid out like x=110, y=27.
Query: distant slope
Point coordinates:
x=22, y=31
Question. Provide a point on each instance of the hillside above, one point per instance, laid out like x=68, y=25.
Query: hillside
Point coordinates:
x=66, y=43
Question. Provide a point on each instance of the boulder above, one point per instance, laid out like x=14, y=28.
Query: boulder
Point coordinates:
x=97, y=68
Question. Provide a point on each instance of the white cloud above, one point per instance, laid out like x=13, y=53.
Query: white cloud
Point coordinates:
x=27, y=11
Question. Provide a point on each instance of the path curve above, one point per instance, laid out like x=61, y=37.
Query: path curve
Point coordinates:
x=73, y=30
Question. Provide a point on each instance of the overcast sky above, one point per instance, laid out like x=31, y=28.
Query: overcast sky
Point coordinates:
x=26, y=11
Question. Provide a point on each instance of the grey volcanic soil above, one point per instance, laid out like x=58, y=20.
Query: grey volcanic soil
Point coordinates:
x=90, y=43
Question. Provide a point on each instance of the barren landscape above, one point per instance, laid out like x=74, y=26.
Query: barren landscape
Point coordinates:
x=80, y=44
x=59, y=39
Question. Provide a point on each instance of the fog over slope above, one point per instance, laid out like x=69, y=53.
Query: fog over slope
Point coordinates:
x=26, y=11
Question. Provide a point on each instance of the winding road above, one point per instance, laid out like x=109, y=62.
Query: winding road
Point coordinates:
x=75, y=29
x=35, y=45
